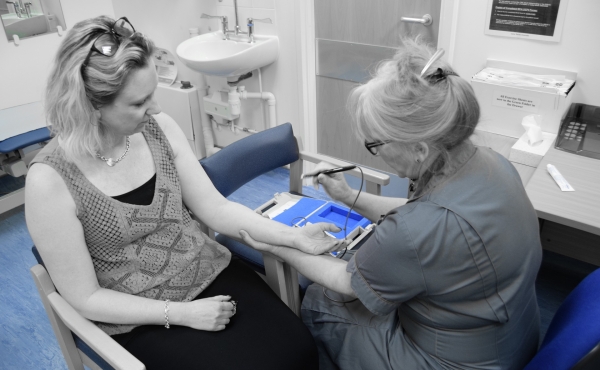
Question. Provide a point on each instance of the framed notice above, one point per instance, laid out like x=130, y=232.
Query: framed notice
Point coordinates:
x=530, y=19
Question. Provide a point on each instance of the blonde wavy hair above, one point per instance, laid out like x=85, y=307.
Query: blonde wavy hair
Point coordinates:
x=74, y=91
x=398, y=104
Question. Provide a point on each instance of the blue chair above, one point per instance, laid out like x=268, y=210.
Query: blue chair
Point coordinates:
x=573, y=337
x=248, y=158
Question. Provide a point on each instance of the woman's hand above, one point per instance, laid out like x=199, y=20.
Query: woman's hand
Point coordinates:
x=334, y=184
x=310, y=239
x=210, y=314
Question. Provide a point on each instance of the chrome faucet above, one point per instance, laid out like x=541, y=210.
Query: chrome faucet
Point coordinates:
x=18, y=8
x=251, y=27
x=28, y=9
x=237, y=24
x=224, y=24
x=237, y=30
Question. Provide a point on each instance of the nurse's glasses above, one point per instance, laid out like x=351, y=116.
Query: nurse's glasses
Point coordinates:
x=108, y=42
x=373, y=146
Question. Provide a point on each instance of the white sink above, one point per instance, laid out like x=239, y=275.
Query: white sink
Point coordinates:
x=211, y=55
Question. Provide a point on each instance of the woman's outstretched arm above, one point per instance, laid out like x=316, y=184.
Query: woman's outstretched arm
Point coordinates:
x=223, y=216
x=325, y=270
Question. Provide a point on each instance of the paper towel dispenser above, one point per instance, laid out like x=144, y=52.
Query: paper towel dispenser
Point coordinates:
x=580, y=131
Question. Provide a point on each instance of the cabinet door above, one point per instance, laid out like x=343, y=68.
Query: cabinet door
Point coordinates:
x=352, y=36
x=571, y=242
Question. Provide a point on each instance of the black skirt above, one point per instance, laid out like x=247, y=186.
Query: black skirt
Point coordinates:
x=264, y=333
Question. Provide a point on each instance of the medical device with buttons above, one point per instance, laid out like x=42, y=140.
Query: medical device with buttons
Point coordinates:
x=580, y=131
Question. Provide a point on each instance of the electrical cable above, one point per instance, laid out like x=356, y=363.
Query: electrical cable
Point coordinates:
x=362, y=179
x=292, y=221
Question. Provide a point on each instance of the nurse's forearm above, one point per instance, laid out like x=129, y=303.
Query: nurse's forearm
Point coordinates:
x=325, y=270
x=372, y=206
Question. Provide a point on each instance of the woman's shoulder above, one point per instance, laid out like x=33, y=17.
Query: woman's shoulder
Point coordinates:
x=43, y=183
x=165, y=122
x=43, y=177
x=40, y=170
x=48, y=150
x=171, y=130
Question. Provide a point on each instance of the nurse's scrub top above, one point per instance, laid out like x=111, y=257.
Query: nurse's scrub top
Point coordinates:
x=447, y=281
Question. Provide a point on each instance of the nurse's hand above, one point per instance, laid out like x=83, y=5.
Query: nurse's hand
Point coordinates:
x=259, y=246
x=334, y=184
x=312, y=239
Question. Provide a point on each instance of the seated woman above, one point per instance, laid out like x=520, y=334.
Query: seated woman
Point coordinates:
x=447, y=280
x=108, y=206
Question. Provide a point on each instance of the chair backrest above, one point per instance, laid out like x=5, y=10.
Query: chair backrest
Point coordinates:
x=574, y=331
x=250, y=157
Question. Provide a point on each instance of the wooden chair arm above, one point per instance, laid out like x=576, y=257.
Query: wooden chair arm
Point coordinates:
x=106, y=347
x=111, y=351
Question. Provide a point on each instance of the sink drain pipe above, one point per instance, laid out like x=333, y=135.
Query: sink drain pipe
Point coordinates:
x=239, y=92
x=207, y=131
x=265, y=96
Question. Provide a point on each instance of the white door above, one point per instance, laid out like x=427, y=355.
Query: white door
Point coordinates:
x=351, y=37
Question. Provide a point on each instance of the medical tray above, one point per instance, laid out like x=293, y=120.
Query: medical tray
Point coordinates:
x=298, y=211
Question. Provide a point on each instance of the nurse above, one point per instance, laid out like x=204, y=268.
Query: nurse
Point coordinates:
x=447, y=279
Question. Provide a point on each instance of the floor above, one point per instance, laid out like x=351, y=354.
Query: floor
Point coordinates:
x=27, y=340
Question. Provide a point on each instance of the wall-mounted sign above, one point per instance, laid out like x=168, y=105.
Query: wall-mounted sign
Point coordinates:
x=516, y=101
x=530, y=19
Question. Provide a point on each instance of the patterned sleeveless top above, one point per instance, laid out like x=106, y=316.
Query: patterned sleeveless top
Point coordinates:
x=155, y=251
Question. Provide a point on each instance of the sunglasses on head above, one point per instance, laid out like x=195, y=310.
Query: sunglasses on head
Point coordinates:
x=108, y=42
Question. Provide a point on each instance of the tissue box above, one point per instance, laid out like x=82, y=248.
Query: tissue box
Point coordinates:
x=503, y=107
x=528, y=155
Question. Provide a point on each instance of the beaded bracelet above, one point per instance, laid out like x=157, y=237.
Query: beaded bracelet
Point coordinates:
x=167, y=314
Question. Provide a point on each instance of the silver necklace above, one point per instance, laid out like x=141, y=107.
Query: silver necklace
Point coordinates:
x=111, y=162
